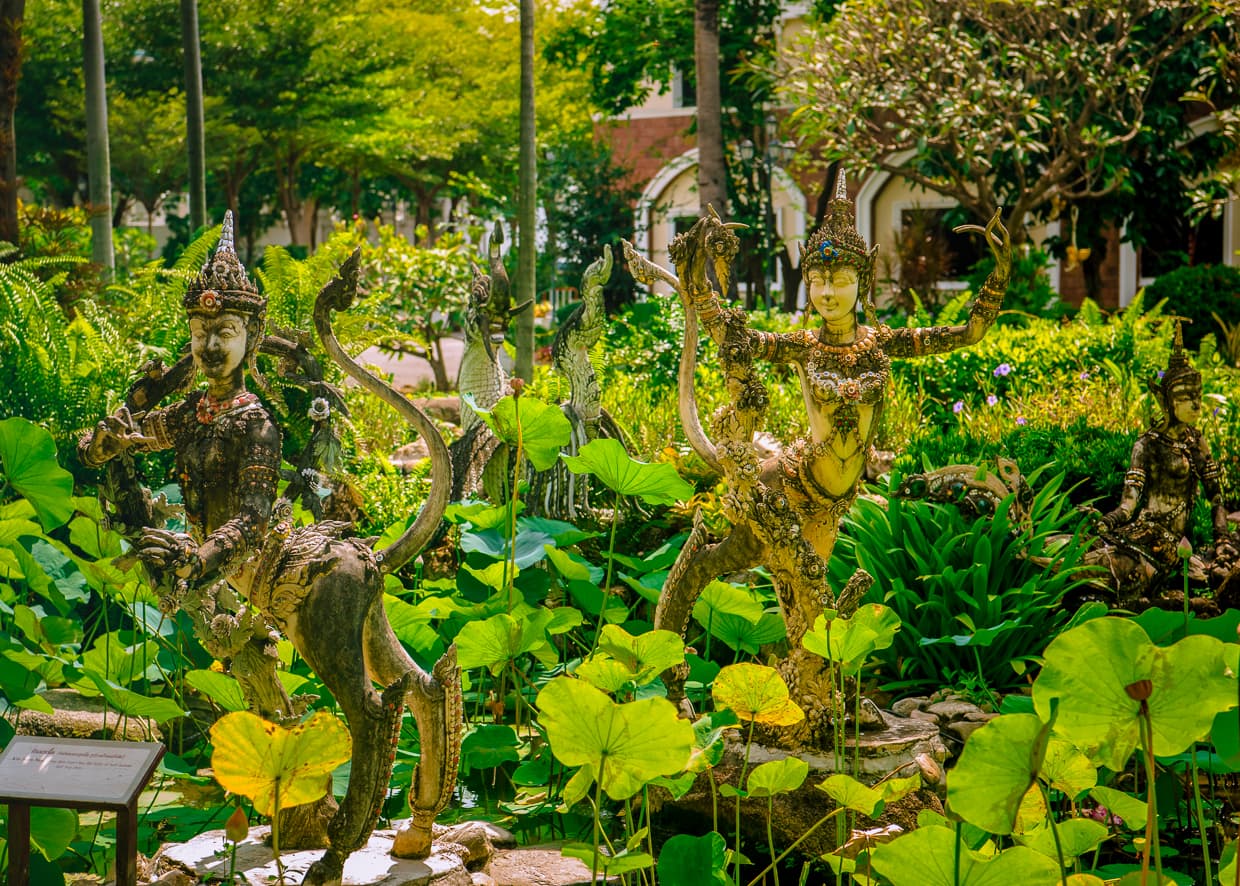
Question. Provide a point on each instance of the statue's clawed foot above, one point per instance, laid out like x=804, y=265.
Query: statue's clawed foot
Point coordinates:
x=327, y=871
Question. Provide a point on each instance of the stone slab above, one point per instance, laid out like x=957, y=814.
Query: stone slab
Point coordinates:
x=372, y=865
x=538, y=866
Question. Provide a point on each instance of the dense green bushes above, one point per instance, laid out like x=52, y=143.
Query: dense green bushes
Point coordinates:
x=1198, y=292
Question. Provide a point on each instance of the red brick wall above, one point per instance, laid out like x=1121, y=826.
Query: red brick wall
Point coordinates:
x=647, y=144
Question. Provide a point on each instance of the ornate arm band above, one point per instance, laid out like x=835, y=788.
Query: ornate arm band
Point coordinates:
x=705, y=302
x=989, y=300
x=1135, y=478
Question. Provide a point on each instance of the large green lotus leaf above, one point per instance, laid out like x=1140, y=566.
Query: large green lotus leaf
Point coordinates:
x=161, y=710
x=1066, y=769
x=720, y=598
x=693, y=861
x=612, y=865
x=111, y=657
x=52, y=830
x=606, y=460
x=744, y=636
x=1076, y=837
x=627, y=745
x=543, y=429
x=847, y=791
x=501, y=638
x=276, y=766
x=489, y=745
x=646, y=655
x=850, y=641
x=1088, y=672
x=220, y=688
x=927, y=857
x=28, y=460
x=777, y=777
x=996, y=768
x=756, y=692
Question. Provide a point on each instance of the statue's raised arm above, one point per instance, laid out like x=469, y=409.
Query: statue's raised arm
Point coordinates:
x=936, y=339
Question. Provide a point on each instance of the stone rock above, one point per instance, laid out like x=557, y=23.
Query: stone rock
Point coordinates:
x=895, y=749
x=923, y=717
x=953, y=710
x=538, y=866
x=906, y=706
x=477, y=838
x=964, y=728
x=481, y=879
x=446, y=409
x=980, y=716
x=76, y=716
x=406, y=457
x=372, y=865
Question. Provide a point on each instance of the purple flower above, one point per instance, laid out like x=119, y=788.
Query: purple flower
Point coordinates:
x=991, y=399
x=1002, y=369
x=958, y=407
x=1020, y=420
x=1216, y=409
x=1084, y=376
x=1161, y=373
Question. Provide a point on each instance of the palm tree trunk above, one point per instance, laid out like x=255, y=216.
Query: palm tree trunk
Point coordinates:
x=98, y=162
x=712, y=171
x=12, y=12
x=528, y=192
x=194, y=116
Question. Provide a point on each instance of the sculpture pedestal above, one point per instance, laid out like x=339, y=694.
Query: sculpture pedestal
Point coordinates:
x=879, y=754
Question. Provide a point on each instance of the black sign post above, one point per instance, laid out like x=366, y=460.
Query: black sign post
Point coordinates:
x=75, y=773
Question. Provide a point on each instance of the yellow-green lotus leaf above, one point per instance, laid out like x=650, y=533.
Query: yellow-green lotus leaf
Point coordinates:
x=758, y=693
x=1092, y=673
x=1066, y=769
x=927, y=857
x=628, y=745
x=264, y=761
x=996, y=768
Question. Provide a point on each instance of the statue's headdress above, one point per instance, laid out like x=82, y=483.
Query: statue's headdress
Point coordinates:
x=838, y=243
x=1179, y=373
x=222, y=284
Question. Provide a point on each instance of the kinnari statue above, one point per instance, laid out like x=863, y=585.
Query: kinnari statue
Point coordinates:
x=786, y=511
x=318, y=584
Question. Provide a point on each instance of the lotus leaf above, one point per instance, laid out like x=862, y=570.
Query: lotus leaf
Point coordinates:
x=272, y=765
x=777, y=777
x=606, y=460
x=927, y=857
x=996, y=768
x=543, y=429
x=220, y=688
x=1088, y=672
x=850, y=641
x=758, y=693
x=627, y=745
x=1076, y=837
x=501, y=638
x=693, y=861
x=28, y=460
x=52, y=830
x=1131, y=809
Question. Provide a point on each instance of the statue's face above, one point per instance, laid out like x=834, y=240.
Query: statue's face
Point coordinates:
x=1186, y=404
x=218, y=344
x=833, y=292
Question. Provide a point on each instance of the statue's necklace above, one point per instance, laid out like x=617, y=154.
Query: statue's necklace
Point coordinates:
x=209, y=409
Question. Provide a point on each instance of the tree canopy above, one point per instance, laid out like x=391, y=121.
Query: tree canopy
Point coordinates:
x=1030, y=105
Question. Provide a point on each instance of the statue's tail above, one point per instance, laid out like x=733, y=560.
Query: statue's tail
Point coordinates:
x=338, y=295
x=647, y=272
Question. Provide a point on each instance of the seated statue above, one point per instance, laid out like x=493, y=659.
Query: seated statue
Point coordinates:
x=786, y=511
x=244, y=568
x=1137, y=542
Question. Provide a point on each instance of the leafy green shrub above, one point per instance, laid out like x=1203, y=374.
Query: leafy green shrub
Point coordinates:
x=948, y=577
x=1199, y=292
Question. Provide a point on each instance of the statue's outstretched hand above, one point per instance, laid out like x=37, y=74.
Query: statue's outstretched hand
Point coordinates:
x=999, y=241
x=114, y=435
x=170, y=552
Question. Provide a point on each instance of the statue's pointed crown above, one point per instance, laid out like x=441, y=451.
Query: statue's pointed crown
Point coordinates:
x=1179, y=371
x=222, y=284
x=837, y=240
